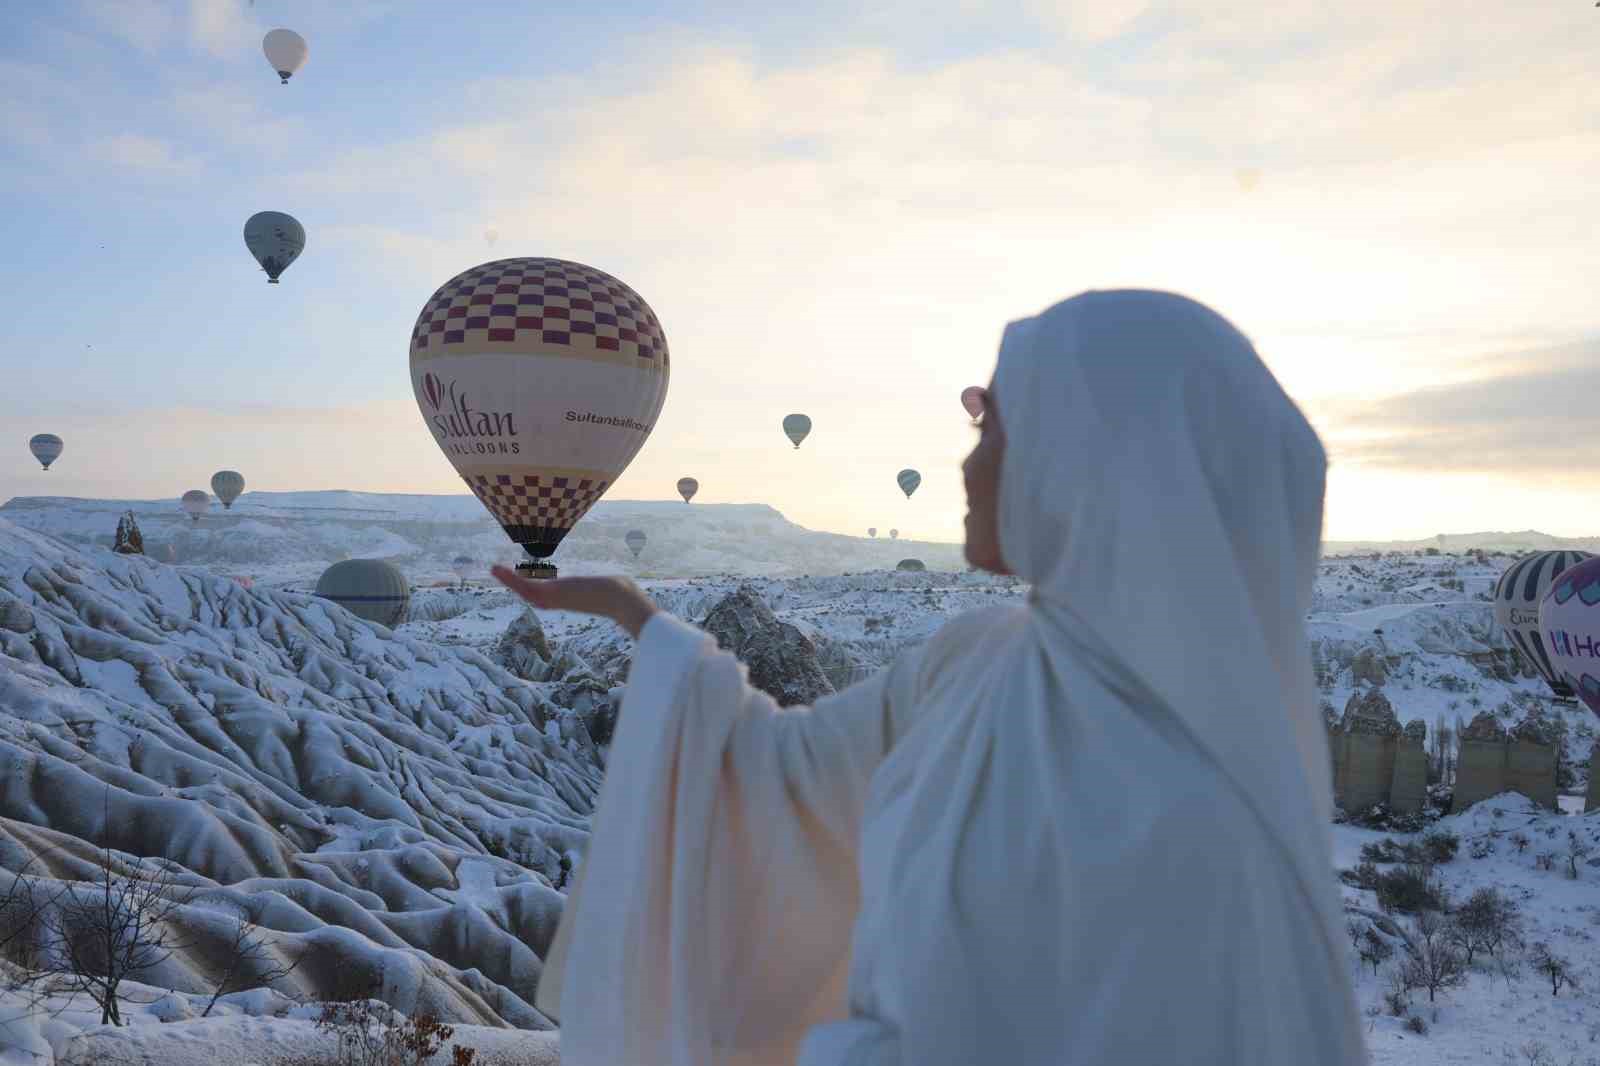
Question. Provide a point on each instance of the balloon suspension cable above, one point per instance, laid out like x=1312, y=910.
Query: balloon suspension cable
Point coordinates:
x=536, y=570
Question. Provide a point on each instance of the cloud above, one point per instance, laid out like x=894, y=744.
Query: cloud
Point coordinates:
x=151, y=155
x=216, y=27
x=1528, y=416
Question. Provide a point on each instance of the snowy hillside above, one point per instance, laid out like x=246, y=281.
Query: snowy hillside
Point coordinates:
x=381, y=804
x=291, y=537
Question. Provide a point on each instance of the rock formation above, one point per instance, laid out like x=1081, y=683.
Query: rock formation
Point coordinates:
x=782, y=661
x=129, y=540
x=1375, y=762
x=1494, y=761
x=523, y=648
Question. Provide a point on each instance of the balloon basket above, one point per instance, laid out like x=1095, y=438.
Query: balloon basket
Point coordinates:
x=536, y=571
x=272, y=281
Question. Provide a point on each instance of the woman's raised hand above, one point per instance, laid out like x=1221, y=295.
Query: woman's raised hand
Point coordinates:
x=615, y=598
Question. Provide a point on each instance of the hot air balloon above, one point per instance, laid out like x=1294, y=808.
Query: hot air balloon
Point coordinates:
x=461, y=566
x=367, y=588
x=1569, y=618
x=872, y=531
x=908, y=480
x=910, y=564
x=275, y=239
x=894, y=534
x=227, y=484
x=1516, y=607
x=796, y=428
x=687, y=487
x=286, y=51
x=195, y=503
x=490, y=236
x=635, y=539
x=540, y=379
x=972, y=400
x=46, y=447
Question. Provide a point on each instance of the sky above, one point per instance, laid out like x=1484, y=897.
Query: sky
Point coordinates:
x=832, y=208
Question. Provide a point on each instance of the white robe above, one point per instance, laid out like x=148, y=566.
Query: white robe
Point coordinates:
x=1055, y=834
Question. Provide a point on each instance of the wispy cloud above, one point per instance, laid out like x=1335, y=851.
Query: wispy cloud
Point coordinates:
x=152, y=155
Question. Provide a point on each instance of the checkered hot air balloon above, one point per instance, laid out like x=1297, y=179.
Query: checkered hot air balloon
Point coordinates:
x=540, y=380
x=908, y=480
x=1569, y=621
x=1517, y=596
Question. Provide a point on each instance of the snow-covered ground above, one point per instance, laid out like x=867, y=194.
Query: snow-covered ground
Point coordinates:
x=400, y=800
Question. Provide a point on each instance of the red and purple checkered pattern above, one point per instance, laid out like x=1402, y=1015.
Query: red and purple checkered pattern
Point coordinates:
x=539, y=303
x=536, y=500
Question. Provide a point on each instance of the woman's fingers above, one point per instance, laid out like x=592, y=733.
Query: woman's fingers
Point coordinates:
x=586, y=595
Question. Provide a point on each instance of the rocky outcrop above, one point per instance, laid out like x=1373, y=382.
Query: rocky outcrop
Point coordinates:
x=1494, y=760
x=1375, y=762
x=1368, y=668
x=1370, y=713
x=523, y=648
x=782, y=661
x=129, y=540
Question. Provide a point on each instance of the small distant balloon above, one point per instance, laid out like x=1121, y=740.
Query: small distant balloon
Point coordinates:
x=490, y=236
x=972, y=400
x=244, y=582
x=227, y=484
x=275, y=239
x=1248, y=178
x=894, y=534
x=46, y=447
x=687, y=487
x=286, y=51
x=872, y=531
x=908, y=480
x=461, y=566
x=636, y=540
x=196, y=503
x=796, y=428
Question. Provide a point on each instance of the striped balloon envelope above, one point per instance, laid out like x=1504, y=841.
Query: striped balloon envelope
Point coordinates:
x=908, y=480
x=1569, y=616
x=540, y=380
x=1516, y=607
x=46, y=447
x=368, y=588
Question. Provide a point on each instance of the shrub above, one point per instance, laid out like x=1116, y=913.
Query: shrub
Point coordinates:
x=1417, y=1025
x=1365, y=875
x=1409, y=889
x=1440, y=845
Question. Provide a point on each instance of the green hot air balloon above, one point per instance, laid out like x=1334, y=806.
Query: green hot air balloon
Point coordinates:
x=908, y=481
x=275, y=239
x=367, y=588
x=796, y=428
x=227, y=484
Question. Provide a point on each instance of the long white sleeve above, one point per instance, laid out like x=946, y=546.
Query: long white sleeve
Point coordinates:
x=718, y=893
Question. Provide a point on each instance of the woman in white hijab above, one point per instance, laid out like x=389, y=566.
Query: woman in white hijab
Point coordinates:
x=1091, y=829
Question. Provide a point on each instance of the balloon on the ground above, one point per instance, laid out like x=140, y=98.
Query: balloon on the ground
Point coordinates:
x=540, y=380
x=46, y=447
x=910, y=564
x=367, y=588
x=894, y=534
x=908, y=480
x=275, y=239
x=872, y=531
x=1517, y=596
x=1569, y=618
x=972, y=400
x=687, y=487
x=635, y=539
x=796, y=428
x=195, y=503
x=227, y=484
x=286, y=52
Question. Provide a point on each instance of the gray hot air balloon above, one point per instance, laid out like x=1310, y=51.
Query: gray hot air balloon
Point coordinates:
x=227, y=484
x=635, y=539
x=908, y=480
x=367, y=588
x=46, y=447
x=872, y=531
x=894, y=534
x=286, y=51
x=796, y=428
x=910, y=564
x=687, y=487
x=275, y=239
x=461, y=566
x=1516, y=608
x=195, y=503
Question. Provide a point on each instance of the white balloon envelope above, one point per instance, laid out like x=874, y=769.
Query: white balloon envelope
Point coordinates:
x=286, y=51
x=1569, y=616
x=540, y=380
x=1516, y=608
x=275, y=240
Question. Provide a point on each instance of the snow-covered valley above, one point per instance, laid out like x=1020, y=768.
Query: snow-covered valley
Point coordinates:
x=409, y=804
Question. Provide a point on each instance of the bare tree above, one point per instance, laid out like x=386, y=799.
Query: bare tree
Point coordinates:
x=1375, y=949
x=1520, y=839
x=115, y=928
x=1553, y=966
x=249, y=960
x=1578, y=849
x=1432, y=962
x=1485, y=922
